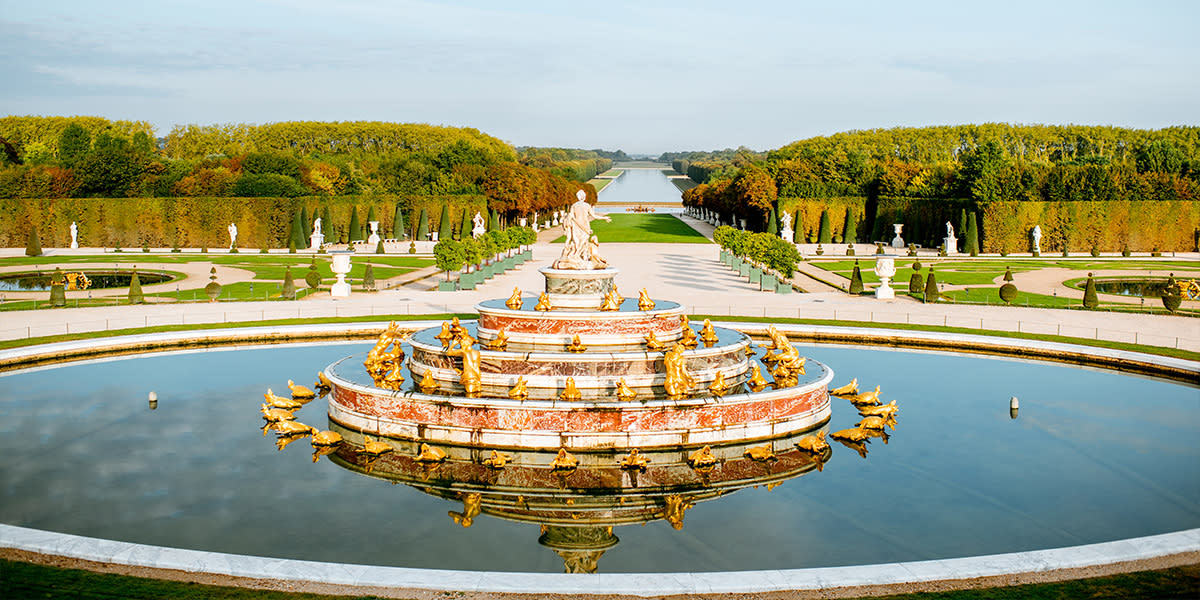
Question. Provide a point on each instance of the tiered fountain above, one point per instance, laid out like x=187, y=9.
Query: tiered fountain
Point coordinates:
x=581, y=369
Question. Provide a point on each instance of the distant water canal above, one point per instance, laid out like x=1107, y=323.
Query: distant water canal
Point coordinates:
x=640, y=186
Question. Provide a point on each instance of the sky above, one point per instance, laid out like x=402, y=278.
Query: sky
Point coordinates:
x=644, y=77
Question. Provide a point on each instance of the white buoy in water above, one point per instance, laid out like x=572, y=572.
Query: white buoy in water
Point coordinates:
x=1013, y=406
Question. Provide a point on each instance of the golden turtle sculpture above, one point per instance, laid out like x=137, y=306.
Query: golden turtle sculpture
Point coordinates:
x=322, y=384
x=281, y=402
x=813, y=444
x=854, y=435
x=375, y=448
x=849, y=389
x=275, y=415
x=865, y=398
x=760, y=453
x=887, y=411
x=293, y=429
x=874, y=423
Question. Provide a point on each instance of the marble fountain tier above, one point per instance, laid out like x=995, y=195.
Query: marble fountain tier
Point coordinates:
x=555, y=371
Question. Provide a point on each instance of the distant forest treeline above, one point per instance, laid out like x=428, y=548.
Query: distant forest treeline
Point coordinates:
x=926, y=176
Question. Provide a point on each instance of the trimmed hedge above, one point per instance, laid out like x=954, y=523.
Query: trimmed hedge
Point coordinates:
x=808, y=213
x=1140, y=226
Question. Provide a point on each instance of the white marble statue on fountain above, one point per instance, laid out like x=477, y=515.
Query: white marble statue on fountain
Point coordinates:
x=232, y=229
x=74, y=235
x=1037, y=240
x=479, y=228
x=950, y=241
x=580, y=250
x=787, y=232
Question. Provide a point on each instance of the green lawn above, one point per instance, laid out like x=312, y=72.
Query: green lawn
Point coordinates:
x=684, y=184
x=600, y=184
x=25, y=580
x=645, y=228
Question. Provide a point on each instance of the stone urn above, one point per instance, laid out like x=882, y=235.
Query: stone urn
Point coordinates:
x=885, y=269
x=341, y=266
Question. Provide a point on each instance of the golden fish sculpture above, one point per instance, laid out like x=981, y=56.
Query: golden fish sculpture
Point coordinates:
x=644, y=301
x=543, y=303
x=865, y=398
x=624, y=392
x=849, y=389
x=570, y=393
x=634, y=461
x=281, y=402
x=718, y=387
x=576, y=345
x=300, y=392
x=514, y=301
x=652, y=343
x=564, y=461
x=519, y=390
x=428, y=384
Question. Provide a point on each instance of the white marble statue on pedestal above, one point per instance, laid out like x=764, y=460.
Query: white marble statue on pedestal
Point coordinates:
x=950, y=241
x=1037, y=240
x=786, y=232
x=898, y=242
x=74, y=235
x=317, y=240
x=232, y=229
x=479, y=228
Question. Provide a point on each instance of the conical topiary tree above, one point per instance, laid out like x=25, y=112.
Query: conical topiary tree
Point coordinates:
x=135, y=289
x=289, y=285
x=371, y=216
x=355, y=228
x=772, y=222
x=1090, y=299
x=850, y=235
x=856, y=282
x=328, y=229
x=445, y=232
x=798, y=232
x=368, y=282
x=464, y=229
x=379, y=247
x=824, y=232
x=296, y=235
x=398, y=231
x=494, y=223
x=1008, y=274
x=1172, y=297
x=58, y=289
x=931, y=287
x=962, y=223
x=33, y=245
x=423, y=225
x=313, y=276
x=916, y=283
x=305, y=223
x=972, y=235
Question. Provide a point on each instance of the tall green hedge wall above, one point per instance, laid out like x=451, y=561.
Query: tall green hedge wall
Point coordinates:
x=196, y=222
x=1110, y=226
x=809, y=218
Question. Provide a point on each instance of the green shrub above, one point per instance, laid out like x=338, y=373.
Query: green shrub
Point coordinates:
x=368, y=281
x=33, y=246
x=824, y=233
x=289, y=285
x=1171, y=301
x=916, y=283
x=931, y=287
x=1008, y=293
x=448, y=255
x=398, y=231
x=267, y=185
x=135, y=289
x=1125, y=250
x=856, y=282
x=213, y=289
x=313, y=277
x=1090, y=300
x=1008, y=276
x=972, y=235
x=1095, y=252
x=423, y=225
x=58, y=290
x=355, y=228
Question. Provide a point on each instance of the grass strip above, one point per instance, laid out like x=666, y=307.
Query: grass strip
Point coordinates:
x=644, y=228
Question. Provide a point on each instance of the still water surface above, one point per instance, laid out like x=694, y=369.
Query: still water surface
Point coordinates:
x=640, y=186
x=1093, y=456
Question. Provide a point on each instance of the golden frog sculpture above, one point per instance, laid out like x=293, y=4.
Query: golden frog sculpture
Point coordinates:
x=564, y=461
x=456, y=328
x=428, y=384
x=887, y=411
x=644, y=301
x=854, y=435
x=570, y=393
x=875, y=423
x=281, y=402
x=708, y=335
x=496, y=460
x=520, y=390
x=676, y=506
x=611, y=301
x=300, y=392
x=322, y=384
x=849, y=389
x=375, y=448
x=514, y=301
x=429, y=454
x=757, y=382
x=500, y=342
x=634, y=461
x=679, y=382
x=688, y=339
x=445, y=336
x=575, y=345
x=652, y=343
x=394, y=378
x=760, y=453
x=865, y=398
x=543, y=303
x=813, y=444
x=624, y=392
x=472, y=507
x=718, y=387
x=702, y=458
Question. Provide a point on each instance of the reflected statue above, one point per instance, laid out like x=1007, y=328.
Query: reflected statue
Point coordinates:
x=429, y=454
x=859, y=447
x=674, y=510
x=471, y=509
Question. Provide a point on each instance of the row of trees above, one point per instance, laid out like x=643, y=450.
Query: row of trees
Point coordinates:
x=451, y=255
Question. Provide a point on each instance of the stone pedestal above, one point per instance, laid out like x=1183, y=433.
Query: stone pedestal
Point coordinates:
x=316, y=241
x=577, y=288
x=885, y=269
x=951, y=245
x=787, y=234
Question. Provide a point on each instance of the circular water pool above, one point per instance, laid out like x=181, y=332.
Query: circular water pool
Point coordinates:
x=1092, y=456
x=36, y=281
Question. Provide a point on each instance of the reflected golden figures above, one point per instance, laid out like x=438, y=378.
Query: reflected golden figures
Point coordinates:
x=676, y=506
x=472, y=507
x=679, y=382
x=644, y=301
x=624, y=392
x=652, y=343
x=519, y=390
x=849, y=389
x=543, y=303
x=760, y=453
x=570, y=393
x=427, y=454
x=702, y=458
x=514, y=301
x=634, y=461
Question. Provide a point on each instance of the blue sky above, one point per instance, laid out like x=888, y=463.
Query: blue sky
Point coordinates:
x=644, y=77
